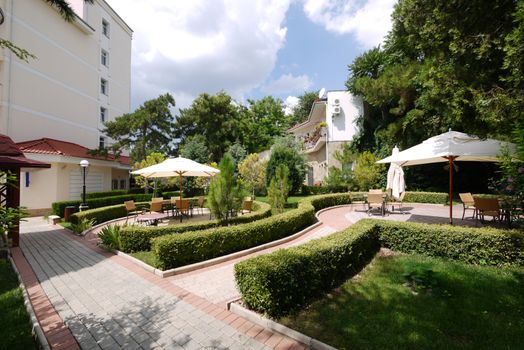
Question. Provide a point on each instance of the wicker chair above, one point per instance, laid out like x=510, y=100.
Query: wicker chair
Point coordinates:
x=487, y=206
x=132, y=209
x=247, y=206
x=357, y=200
x=468, y=203
x=376, y=200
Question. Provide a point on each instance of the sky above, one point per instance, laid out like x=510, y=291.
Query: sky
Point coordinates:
x=249, y=49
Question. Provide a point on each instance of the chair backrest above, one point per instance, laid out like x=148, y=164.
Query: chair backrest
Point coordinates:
x=157, y=199
x=401, y=197
x=466, y=198
x=375, y=191
x=375, y=198
x=486, y=204
x=130, y=205
x=155, y=206
x=182, y=204
x=201, y=201
x=247, y=205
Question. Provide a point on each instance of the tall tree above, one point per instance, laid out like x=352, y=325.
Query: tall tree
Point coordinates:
x=252, y=173
x=286, y=152
x=148, y=129
x=216, y=117
x=225, y=194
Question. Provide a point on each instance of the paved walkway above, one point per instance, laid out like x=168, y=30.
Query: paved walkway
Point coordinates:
x=110, y=303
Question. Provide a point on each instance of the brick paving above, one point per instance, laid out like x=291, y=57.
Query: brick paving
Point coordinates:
x=108, y=302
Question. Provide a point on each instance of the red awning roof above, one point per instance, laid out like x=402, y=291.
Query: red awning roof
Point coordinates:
x=64, y=148
x=12, y=157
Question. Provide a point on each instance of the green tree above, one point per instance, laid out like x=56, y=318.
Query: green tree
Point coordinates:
x=367, y=174
x=285, y=151
x=252, y=173
x=279, y=188
x=9, y=217
x=225, y=194
x=216, y=117
x=148, y=129
x=265, y=121
x=342, y=175
x=151, y=159
x=195, y=149
x=237, y=152
x=303, y=108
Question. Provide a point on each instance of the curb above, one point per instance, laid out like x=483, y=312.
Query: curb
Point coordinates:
x=214, y=261
x=277, y=327
x=40, y=337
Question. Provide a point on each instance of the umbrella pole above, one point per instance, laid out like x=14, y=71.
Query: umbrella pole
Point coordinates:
x=181, y=186
x=451, y=159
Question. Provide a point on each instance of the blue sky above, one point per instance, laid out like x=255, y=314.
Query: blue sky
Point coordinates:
x=251, y=48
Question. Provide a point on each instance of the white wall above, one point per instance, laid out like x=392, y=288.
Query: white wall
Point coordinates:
x=342, y=127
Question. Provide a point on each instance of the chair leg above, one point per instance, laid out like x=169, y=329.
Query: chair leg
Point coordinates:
x=463, y=211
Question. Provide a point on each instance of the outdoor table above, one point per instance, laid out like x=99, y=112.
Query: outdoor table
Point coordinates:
x=150, y=219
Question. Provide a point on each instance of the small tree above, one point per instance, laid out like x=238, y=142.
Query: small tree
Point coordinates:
x=279, y=188
x=237, y=152
x=342, y=177
x=285, y=151
x=253, y=173
x=367, y=173
x=225, y=194
x=145, y=183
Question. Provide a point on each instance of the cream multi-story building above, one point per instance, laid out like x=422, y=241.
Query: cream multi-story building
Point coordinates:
x=331, y=123
x=80, y=78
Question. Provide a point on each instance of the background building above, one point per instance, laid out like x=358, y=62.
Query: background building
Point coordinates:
x=331, y=122
x=80, y=78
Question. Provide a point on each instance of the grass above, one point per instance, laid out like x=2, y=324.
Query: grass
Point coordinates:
x=66, y=225
x=15, y=328
x=415, y=302
x=146, y=256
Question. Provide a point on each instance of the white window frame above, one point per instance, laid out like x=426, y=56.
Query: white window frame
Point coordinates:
x=102, y=142
x=103, y=114
x=104, y=86
x=105, y=28
x=104, y=58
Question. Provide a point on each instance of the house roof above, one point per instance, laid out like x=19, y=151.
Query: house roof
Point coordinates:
x=309, y=120
x=12, y=157
x=64, y=148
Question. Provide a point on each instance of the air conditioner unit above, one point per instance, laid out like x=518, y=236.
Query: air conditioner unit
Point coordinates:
x=336, y=102
x=337, y=110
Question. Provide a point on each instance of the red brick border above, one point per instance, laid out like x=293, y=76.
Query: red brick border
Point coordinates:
x=58, y=335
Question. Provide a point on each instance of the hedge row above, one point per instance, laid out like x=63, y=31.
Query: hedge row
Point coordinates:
x=138, y=238
x=58, y=207
x=426, y=197
x=284, y=281
x=195, y=246
x=113, y=193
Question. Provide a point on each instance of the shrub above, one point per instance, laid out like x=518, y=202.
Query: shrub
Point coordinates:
x=286, y=280
x=279, y=283
x=427, y=197
x=82, y=225
x=178, y=250
x=290, y=157
x=110, y=236
x=58, y=207
x=225, y=194
x=279, y=188
x=138, y=238
x=113, y=193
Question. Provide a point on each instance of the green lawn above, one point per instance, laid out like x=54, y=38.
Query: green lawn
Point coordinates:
x=15, y=328
x=148, y=257
x=415, y=302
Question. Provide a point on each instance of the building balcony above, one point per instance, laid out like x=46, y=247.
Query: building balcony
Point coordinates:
x=315, y=145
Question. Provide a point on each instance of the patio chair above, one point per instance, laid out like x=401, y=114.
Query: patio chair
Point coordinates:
x=183, y=207
x=376, y=191
x=357, y=200
x=157, y=199
x=375, y=200
x=487, y=206
x=132, y=209
x=394, y=201
x=155, y=207
x=247, y=206
x=200, y=204
x=468, y=203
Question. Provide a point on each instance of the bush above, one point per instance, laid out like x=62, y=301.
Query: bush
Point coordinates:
x=82, y=225
x=110, y=236
x=471, y=245
x=113, y=193
x=308, y=190
x=138, y=238
x=279, y=283
x=427, y=197
x=58, y=207
x=178, y=250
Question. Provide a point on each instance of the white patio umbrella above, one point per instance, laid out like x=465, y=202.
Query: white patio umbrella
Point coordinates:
x=177, y=167
x=450, y=147
x=396, y=178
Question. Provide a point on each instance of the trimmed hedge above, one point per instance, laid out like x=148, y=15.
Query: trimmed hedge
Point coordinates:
x=179, y=250
x=138, y=238
x=113, y=193
x=58, y=207
x=427, y=197
x=103, y=214
x=282, y=282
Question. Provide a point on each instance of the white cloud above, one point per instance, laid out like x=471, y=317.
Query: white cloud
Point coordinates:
x=287, y=83
x=289, y=104
x=190, y=47
x=368, y=20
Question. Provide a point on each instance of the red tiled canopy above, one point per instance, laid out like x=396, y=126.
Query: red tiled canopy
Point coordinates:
x=12, y=157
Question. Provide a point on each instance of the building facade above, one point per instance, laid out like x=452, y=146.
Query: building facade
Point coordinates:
x=80, y=78
x=331, y=123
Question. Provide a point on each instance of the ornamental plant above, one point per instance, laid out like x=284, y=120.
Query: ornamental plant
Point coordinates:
x=279, y=188
x=225, y=194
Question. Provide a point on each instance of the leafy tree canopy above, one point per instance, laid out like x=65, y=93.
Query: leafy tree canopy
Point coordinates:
x=282, y=153
x=302, y=109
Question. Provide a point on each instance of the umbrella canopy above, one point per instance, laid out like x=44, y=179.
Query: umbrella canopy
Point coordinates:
x=450, y=147
x=396, y=178
x=177, y=167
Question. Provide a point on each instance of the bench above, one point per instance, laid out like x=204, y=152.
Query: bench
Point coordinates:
x=55, y=219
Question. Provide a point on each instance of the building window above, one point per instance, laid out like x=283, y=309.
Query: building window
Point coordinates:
x=114, y=184
x=102, y=142
x=104, y=86
x=103, y=114
x=104, y=58
x=123, y=184
x=105, y=28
